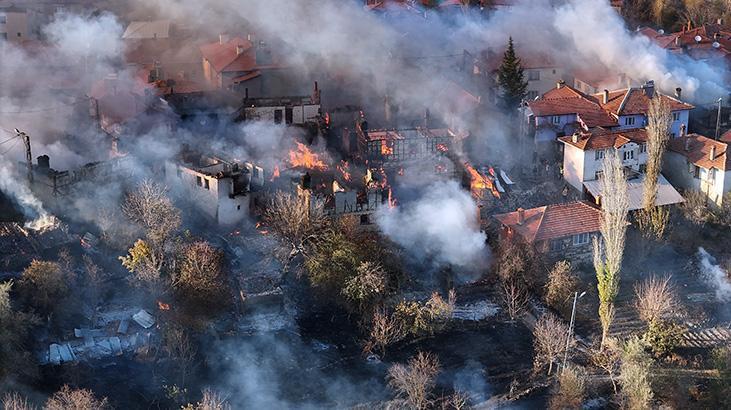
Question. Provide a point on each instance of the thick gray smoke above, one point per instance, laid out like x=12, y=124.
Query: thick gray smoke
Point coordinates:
x=715, y=276
x=441, y=224
x=13, y=185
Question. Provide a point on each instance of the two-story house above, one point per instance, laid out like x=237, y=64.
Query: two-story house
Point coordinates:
x=583, y=164
x=565, y=110
x=13, y=24
x=695, y=162
x=630, y=106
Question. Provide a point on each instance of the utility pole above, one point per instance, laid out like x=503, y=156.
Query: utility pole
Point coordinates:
x=571, y=327
x=28, y=154
x=718, y=119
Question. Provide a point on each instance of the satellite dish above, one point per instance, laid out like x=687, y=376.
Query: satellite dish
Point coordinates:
x=697, y=39
x=716, y=44
x=661, y=31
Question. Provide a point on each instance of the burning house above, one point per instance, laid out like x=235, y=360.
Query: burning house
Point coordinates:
x=222, y=189
x=560, y=231
x=50, y=182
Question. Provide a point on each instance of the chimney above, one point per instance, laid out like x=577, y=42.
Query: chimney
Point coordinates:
x=677, y=40
x=605, y=100
x=678, y=92
x=687, y=143
x=44, y=162
x=682, y=130
x=712, y=153
x=649, y=88
x=575, y=138
x=239, y=49
x=560, y=83
x=521, y=216
x=222, y=38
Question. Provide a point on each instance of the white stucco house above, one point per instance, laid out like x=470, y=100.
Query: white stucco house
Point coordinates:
x=583, y=157
x=220, y=189
x=699, y=163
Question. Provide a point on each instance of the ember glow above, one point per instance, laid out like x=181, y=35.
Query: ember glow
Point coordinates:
x=275, y=173
x=163, y=306
x=344, y=169
x=303, y=157
x=385, y=148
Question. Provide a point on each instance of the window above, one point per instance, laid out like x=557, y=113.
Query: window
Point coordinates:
x=554, y=71
x=238, y=207
x=581, y=239
x=599, y=154
x=629, y=121
x=19, y=34
x=630, y=154
x=556, y=119
x=3, y=19
x=676, y=116
x=712, y=176
x=556, y=245
x=534, y=75
x=643, y=148
x=598, y=174
x=3, y=36
x=198, y=181
x=643, y=168
x=364, y=219
x=208, y=184
x=695, y=170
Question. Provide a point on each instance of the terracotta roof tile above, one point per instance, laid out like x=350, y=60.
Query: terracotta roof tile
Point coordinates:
x=602, y=139
x=631, y=101
x=224, y=57
x=554, y=221
x=699, y=151
x=567, y=100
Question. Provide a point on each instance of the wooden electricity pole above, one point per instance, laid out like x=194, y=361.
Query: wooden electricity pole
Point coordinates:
x=28, y=154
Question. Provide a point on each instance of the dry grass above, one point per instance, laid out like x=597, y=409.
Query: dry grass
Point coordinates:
x=79, y=399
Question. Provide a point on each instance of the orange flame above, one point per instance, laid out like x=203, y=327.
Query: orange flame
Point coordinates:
x=344, y=169
x=479, y=182
x=442, y=148
x=305, y=158
x=163, y=306
x=275, y=173
x=385, y=149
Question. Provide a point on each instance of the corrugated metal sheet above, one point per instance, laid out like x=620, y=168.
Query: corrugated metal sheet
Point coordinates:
x=666, y=193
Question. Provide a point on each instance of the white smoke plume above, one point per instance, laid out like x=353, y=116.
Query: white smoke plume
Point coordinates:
x=32, y=208
x=714, y=276
x=441, y=224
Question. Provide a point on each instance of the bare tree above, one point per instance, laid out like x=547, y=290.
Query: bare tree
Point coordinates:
x=695, y=207
x=635, y=376
x=549, y=341
x=200, y=272
x=14, y=401
x=608, y=359
x=181, y=350
x=298, y=221
x=609, y=253
x=570, y=391
x=515, y=297
x=656, y=299
x=79, y=399
x=150, y=207
x=385, y=330
x=415, y=381
x=561, y=284
x=211, y=400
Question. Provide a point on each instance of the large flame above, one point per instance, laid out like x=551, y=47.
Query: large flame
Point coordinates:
x=385, y=148
x=45, y=221
x=305, y=158
x=479, y=183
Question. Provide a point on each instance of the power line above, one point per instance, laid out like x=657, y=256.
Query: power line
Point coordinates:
x=11, y=147
x=42, y=109
x=9, y=139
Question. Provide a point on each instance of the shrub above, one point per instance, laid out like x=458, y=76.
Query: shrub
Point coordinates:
x=570, y=391
x=663, y=337
x=561, y=285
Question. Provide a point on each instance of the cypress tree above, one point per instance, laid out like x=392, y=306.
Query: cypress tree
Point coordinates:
x=510, y=79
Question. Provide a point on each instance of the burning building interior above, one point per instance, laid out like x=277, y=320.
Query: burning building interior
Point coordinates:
x=346, y=204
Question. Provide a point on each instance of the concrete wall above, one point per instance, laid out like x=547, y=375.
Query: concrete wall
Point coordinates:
x=213, y=200
x=547, y=79
x=573, y=165
x=300, y=113
x=15, y=28
x=682, y=175
x=547, y=130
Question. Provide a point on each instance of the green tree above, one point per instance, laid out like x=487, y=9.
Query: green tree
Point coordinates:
x=43, y=286
x=15, y=326
x=511, y=80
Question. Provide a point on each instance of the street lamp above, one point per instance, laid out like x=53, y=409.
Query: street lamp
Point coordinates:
x=571, y=327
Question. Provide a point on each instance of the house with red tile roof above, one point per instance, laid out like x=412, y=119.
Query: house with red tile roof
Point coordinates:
x=559, y=231
x=565, y=110
x=242, y=64
x=696, y=162
x=706, y=42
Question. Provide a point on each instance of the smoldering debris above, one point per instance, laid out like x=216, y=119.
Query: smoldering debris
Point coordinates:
x=714, y=276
